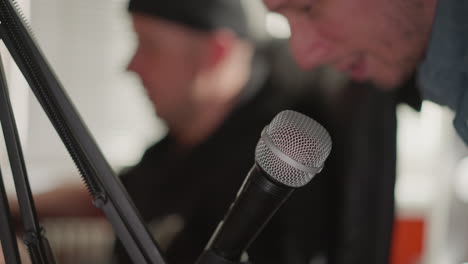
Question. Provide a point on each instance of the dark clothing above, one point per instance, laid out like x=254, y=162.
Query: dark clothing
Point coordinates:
x=344, y=215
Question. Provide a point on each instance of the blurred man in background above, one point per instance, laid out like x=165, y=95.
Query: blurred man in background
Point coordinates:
x=216, y=89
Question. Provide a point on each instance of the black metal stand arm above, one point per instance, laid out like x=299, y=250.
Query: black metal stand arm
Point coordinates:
x=38, y=246
x=7, y=234
x=104, y=186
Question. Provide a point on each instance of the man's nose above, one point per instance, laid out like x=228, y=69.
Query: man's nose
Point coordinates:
x=309, y=47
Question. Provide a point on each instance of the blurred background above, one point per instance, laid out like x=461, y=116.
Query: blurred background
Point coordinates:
x=89, y=43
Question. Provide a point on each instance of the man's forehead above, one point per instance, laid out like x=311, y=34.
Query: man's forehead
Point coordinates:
x=278, y=5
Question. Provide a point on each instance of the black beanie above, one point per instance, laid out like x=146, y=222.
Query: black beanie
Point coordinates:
x=203, y=15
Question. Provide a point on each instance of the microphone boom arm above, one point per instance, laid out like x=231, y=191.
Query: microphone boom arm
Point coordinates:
x=106, y=189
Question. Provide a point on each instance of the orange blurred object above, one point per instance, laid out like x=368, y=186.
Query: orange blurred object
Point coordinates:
x=408, y=240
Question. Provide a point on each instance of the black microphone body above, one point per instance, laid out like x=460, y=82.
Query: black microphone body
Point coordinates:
x=258, y=200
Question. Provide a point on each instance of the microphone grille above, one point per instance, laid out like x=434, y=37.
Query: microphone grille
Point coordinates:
x=293, y=148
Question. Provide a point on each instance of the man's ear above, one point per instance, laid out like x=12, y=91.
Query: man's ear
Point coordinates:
x=220, y=46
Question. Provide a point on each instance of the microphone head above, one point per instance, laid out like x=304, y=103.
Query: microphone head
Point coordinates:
x=293, y=148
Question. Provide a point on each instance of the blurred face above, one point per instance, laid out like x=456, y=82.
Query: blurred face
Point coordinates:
x=168, y=60
x=378, y=40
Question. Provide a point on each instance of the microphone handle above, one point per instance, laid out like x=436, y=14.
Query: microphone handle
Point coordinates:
x=210, y=257
x=255, y=204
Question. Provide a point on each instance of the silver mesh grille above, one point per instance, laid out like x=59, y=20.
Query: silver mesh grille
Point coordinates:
x=301, y=139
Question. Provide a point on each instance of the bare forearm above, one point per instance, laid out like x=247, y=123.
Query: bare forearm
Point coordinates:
x=72, y=200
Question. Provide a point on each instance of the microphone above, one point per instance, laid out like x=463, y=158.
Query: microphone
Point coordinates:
x=291, y=150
